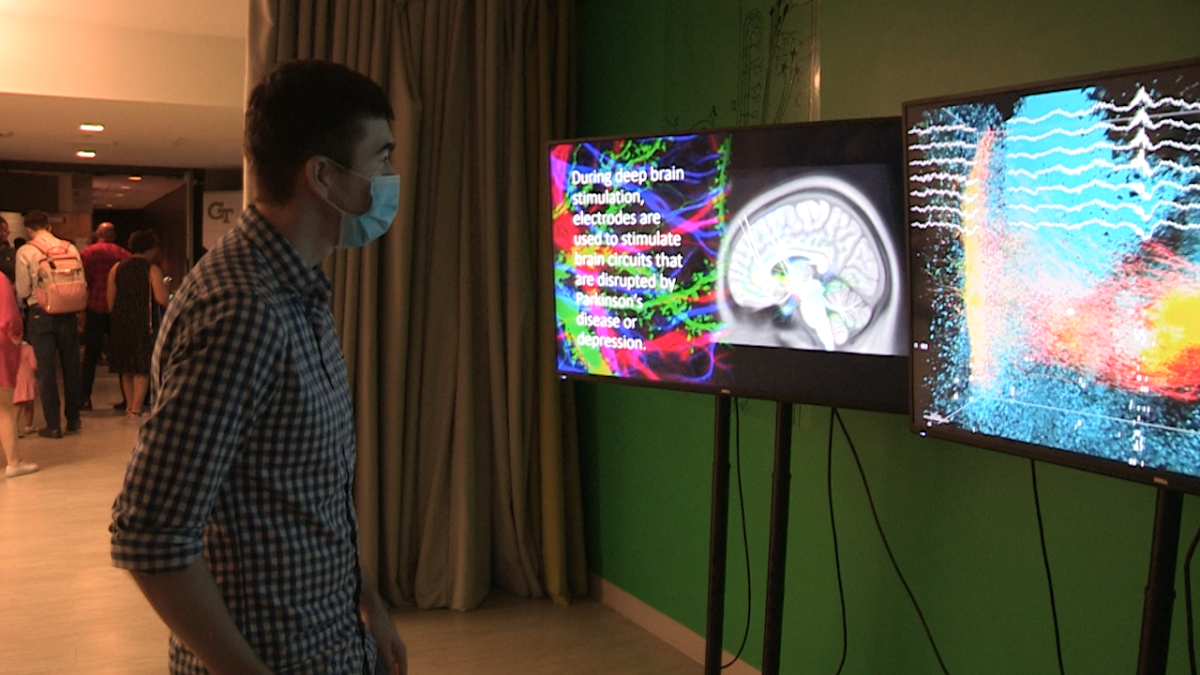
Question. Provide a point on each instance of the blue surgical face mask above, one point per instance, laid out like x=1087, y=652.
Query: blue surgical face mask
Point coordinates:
x=360, y=229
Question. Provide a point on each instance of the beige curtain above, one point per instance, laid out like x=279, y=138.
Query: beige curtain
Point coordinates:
x=468, y=475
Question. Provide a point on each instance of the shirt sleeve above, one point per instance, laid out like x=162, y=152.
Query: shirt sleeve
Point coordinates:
x=24, y=282
x=213, y=369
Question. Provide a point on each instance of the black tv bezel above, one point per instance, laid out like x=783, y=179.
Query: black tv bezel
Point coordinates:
x=1161, y=478
x=893, y=370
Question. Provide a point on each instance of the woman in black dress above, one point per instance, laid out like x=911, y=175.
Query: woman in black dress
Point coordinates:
x=135, y=287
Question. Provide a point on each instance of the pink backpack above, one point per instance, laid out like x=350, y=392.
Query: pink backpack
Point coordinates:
x=60, y=287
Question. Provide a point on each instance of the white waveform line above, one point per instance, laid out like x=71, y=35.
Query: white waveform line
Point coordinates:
x=942, y=145
x=1139, y=143
x=1172, y=122
x=951, y=161
x=926, y=193
x=943, y=224
x=1140, y=100
x=1161, y=165
x=939, y=208
x=1140, y=188
x=1107, y=206
x=1106, y=127
x=943, y=128
x=1101, y=145
x=1139, y=229
x=936, y=176
x=1189, y=148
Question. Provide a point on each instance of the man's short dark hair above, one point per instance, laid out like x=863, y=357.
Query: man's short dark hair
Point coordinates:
x=304, y=108
x=142, y=241
x=37, y=220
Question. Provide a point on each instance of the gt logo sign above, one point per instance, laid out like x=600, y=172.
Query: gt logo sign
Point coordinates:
x=218, y=211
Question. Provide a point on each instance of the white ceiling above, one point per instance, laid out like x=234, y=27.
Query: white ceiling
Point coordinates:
x=136, y=133
x=222, y=18
x=130, y=41
x=118, y=192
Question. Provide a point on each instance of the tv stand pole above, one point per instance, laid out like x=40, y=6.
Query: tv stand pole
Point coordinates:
x=781, y=491
x=1160, y=588
x=718, y=540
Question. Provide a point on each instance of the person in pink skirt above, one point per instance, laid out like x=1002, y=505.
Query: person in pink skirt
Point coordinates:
x=12, y=329
x=25, y=392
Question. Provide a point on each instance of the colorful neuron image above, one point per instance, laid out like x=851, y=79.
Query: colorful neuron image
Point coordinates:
x=812, y=260
x=637, y=223
x=1056, y=247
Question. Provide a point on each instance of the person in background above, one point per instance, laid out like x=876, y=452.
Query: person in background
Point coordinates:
x=134, y=286
x=236, y=517
x=55, y=337
x=8, y=254
x=99, y=259
x=12, y=328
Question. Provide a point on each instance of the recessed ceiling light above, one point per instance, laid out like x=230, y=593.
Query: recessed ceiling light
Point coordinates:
x=135, y=178
x=119, y=194
x=85, y=154
x=93, y=128
x=126, y=187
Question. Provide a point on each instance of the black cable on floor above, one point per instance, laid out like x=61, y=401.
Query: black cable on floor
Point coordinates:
x=737, y=444
x=1037, y=505
x=871, y=502
x=837, y=560
x=1187, y=600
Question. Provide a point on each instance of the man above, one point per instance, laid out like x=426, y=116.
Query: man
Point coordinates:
x=8, y=254
x=55, y=337
x=237, y=517
x=98, y=258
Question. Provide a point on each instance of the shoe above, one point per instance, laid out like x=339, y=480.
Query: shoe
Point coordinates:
x=20, y=469
x=50, y=433
x=119, y=406
x=25, y=431
x=74, y=427
x=87, y=405
x=134, y=414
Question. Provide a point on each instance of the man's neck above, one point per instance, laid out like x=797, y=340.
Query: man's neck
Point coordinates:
x=300, y=226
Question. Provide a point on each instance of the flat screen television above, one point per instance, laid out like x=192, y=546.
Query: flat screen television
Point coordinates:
x=765, y=262
x=1054, y=240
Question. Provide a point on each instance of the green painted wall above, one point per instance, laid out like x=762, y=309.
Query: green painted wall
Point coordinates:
x=960, y=520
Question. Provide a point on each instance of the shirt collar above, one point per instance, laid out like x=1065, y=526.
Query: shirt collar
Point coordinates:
x=282, y=259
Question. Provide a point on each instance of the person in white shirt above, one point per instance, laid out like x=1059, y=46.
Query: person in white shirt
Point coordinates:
x=55, y=337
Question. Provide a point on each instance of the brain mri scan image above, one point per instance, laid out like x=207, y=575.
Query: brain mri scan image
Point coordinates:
x=809, y=263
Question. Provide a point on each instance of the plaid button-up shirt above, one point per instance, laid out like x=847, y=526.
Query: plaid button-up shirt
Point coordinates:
x=248, y=457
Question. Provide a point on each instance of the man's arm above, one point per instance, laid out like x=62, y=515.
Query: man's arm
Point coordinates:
x=189, y=602
x=23, y=282
x=375, y=615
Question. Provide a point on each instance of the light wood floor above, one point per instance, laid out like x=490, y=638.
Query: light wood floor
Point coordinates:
x=65, y=610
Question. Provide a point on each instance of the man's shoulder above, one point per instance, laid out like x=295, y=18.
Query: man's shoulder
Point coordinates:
x=44, y=242
x=104, y=250
x=234, y=268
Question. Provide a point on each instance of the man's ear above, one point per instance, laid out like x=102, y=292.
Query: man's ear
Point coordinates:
x=318, y=175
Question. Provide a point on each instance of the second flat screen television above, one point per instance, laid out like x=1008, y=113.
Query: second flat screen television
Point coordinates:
x=767, y=262
x=1055, y=242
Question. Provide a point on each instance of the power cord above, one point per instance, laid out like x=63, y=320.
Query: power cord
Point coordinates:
x=886, y=546
x=837, y=560
x=1187, y=601
x=1037, y=505
x=737, y=444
